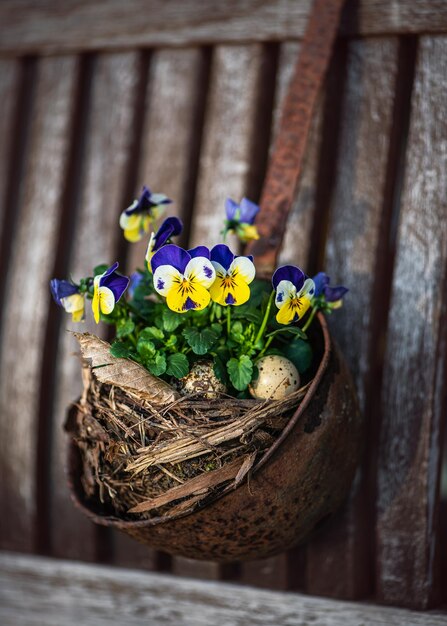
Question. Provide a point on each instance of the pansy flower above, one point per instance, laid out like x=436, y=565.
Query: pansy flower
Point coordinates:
x=135, y=220
x=171, y=227
x=233, y=275
x=332, y=295
x=182, y=277
x=294, y=293
x=66, y=294
x=107, y=290
x=240, y=219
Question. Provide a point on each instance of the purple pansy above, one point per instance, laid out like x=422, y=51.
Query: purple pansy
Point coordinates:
x=66, y=294
x=233, y=275
x=171, y=227
x=331, y=294
x=107, y=290
x=183, y=277
x=240, y=219
x=136, y=219
x=294, y=293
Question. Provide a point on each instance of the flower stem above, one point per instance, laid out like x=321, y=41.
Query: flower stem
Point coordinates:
x=310, y=319
x=228, y=320
x=265, y=320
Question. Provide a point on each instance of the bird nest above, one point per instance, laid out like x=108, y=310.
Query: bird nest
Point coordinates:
x=148, y=457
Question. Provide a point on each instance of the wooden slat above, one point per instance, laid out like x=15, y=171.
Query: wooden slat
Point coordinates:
x=172, y=104
x=105, y=158
x=35, y=591
x=224, y=170
x=273, y=572
x=45, y=27
x=339, y=559
x=415, y=362
x=228, y=135
x=27, y=298
x=9, y=84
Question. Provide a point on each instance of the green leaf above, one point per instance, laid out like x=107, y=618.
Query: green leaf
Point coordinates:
x=146, y=349
x=171, y=320
x=217, y=328
x=120, y=350
x=124, y=328
x=100, y=269
x=240, y=372
x=178, y=365
x=200, y=340
x=156, y=365
x=151, y=332
x=300, y=353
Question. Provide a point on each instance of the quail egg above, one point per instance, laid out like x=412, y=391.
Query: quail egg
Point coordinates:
x=278, y=378
x=202, y=381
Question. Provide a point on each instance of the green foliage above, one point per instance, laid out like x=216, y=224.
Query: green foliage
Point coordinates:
x=240, y=371
x=124, y=327
x=300, y=353
x=201, y=341
x=120, y=350
x=178, y=365
x=171, y=320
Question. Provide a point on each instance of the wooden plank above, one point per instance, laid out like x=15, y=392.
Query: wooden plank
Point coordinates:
x=225, y=160
x=339, y=558
x=415, y=361
x=27, y=297
x=104, y=158
x=95, y=595
x=9, y=84
x=172, y=105
x=45, y=27
x=273, y=572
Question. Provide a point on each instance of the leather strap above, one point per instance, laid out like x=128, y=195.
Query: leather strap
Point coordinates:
x=285, y=166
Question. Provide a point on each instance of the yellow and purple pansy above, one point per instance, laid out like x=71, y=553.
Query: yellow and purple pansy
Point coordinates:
x=171, y=227
x=233, y=275
x=294, y=293
x=332, y=295
x=107, y=290
x=136, y=219
x=183, y=277
x=66, y=294
x=240, y=219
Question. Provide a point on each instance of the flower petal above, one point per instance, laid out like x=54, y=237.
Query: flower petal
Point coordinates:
x=230, y=208
x=74, y=304
x=244, y=267
x=334, y=294
x=285, y=291
x=171, y=227
x=114, y=281
x=321, y=280
x=308, y=289
x=129, y=221
x=249, y=210
x=165, y=276
x=200, y=270
x=286, y=313
x=62, y=289
x=150, y=251
x=95, y=300
x=186, y=296
x=227, y=290
x=133, y=235
x=171, y=255
x=199, y=251
x=290, y=273
x=222, y=254
x=106, y=300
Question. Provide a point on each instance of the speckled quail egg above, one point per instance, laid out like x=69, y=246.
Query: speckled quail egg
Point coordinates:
x=202, y=381
x=278, y=378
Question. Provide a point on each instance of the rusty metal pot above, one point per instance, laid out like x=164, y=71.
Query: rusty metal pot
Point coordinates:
x=301, y=480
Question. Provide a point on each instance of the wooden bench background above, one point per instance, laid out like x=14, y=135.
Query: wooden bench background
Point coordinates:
x=97, y=99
